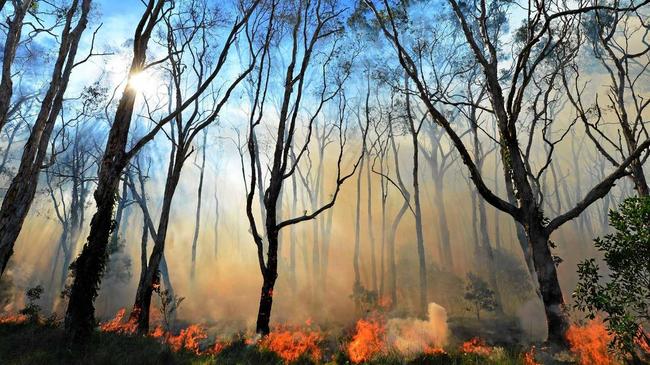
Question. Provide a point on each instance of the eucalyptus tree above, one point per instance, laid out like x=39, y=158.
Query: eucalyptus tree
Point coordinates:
x=12, y=41
x=614, y=117
x=21, y=191
x=199, y=195
x=71, y=177
x=188, y=55
x=546, y=42
x=311, y=32
x=90, y=264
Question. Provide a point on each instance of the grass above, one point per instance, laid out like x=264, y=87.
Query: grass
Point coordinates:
x=29, y=343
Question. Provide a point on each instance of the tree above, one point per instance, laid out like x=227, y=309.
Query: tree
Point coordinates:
x=548, y=42
x=183, y=48
x=91, y=262
x=619, y=45
x=624, y=297
x=12, y=41
x=20, y=193
x=308, y=28
x=480, y=295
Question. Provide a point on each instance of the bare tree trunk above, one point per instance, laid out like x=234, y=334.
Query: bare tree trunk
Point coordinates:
x=446, y=255
x=371, y=228
x=217, y=217
x=22, y=189
x=357, y=235
x=556, y=317
x=142, y=304
x=197, y=222
x=14, y=30
x=293, y=236
x=415, y=129
x=89, y=266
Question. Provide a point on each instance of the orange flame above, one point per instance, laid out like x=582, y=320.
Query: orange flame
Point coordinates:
x=590, y=343
x=367, y=341
x=433, y=351
x=641, y=340
x=189, y=338
x=116, y=325
x=13, y=319
x=291, y=345
x=476, y=346
x=529, y=357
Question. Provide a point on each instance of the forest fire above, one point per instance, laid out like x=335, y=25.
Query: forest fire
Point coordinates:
x=529, y=357
x=476, y=346
x=290, y=345
x=117, y=325
x=590, y=343
x=368, y=340
x=13, y=319
x=189, y=338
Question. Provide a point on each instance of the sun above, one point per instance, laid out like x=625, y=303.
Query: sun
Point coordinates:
x=142, y=82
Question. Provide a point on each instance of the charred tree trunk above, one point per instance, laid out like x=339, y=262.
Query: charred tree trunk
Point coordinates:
x=268, y=276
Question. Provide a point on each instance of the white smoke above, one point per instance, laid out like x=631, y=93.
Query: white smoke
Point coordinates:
x=411, y=336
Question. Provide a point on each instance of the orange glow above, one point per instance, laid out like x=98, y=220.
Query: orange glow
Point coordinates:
x=476, y=346
x=367, y=341
x=189, y=339
x=291, y=345
x=529, y=357
x=641, y=340
x=590, y=343
x=116, y=325
x=13, y=319
x=433, y=351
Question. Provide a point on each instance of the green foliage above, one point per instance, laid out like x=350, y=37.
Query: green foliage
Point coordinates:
x=169, y=304
x=32, y=310
x=480, y=295
x=625, y=296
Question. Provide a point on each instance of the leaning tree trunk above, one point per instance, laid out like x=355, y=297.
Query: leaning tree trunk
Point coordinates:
x=12, y=41
x=90, y=265
x=151, y=278
x=22, y=189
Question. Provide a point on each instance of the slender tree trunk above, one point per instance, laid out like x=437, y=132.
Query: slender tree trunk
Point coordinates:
x=446, y=255
x=371, y=228
x=14, y=30
x=141, y=307
x=217, y=217
x=197, y=221
x=293, y=236
x=382, y=254
x=357, y=233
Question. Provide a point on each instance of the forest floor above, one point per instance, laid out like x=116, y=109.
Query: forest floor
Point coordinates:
x=30, y=343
